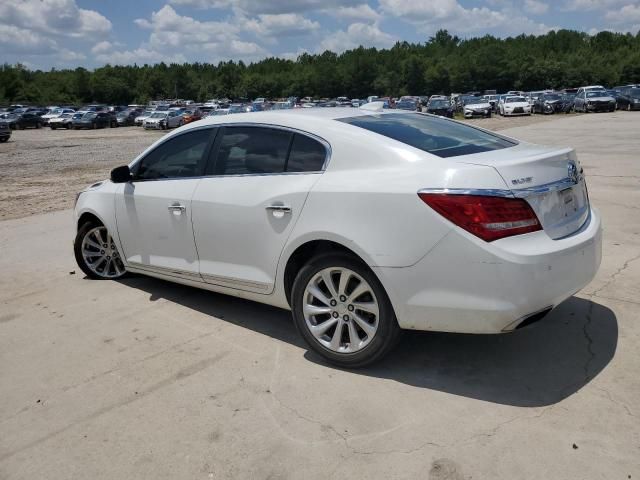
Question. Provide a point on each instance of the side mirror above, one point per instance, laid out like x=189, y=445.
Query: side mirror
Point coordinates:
x=121, y=174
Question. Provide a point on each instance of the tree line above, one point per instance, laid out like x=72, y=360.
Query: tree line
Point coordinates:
x=442, y=64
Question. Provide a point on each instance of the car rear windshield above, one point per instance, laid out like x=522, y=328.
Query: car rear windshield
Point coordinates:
x=438, y=136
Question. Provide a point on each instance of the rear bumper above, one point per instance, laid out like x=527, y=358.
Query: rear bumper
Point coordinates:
x=466, y=285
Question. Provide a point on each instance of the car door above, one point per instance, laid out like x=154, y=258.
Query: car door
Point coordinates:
x=153, y=211
x=257, y=182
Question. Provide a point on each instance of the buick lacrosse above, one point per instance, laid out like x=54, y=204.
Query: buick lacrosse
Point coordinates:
x=362, y=222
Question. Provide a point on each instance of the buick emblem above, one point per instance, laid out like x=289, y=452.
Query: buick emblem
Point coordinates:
x=572, y=172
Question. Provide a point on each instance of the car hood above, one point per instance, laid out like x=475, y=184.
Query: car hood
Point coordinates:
x=478, y=106
x=603, y=98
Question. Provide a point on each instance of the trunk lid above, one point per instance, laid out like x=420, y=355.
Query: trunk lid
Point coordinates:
x=549, y=178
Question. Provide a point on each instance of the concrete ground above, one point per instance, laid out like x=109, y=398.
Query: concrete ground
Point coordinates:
x=146, y=379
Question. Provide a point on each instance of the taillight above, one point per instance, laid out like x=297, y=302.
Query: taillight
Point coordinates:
x=489, y=218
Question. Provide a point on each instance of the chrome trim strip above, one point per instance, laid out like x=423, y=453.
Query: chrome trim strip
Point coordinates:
x=204, y=278
x=325, y=143
x=487, y=192
x=514, y=193
x=546, y=188
x=226, y=281
x=166, y=271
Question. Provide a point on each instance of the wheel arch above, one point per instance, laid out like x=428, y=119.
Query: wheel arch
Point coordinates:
x=298, y=256
x=88, y=217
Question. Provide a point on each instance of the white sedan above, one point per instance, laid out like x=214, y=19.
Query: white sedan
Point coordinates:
x=163, y=120
x=511, y=106
x=363, y=222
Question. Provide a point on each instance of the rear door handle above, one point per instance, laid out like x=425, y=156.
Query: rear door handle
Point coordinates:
x=176, y=208
x=279, y=208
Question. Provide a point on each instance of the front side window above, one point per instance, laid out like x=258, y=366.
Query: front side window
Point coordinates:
x=179, y=157
x=444, y=138
x=251, y=150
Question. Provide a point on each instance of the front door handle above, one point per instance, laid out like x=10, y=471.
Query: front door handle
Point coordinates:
x=176, y=208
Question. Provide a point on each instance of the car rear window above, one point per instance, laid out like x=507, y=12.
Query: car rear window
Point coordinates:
x=438, y=136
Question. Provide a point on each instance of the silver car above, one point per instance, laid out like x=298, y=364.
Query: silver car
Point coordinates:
x=594, y=101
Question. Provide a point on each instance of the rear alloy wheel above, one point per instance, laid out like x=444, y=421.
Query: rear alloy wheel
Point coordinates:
x=343, y=312
x=97, y=254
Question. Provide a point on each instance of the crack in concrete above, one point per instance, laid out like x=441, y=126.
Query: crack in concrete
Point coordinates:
x=498, y=427
x=614, y=275
x=612, y=400
x=590, y=351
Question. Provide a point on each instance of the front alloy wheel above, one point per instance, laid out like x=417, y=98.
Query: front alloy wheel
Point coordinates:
x=97, y=254
x=343, y=312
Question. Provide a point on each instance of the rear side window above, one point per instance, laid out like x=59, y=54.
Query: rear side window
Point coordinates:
x=307, y=155
x=438, y=136
x=179, y=157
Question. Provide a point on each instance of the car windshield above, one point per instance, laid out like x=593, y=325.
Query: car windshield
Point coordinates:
x=634, y=93
x=601, y=93
x=474, y=100
x=66, y=115
x=159, y=115
x=438, y=104
x=515, y=100
x=89, y=115
x=552, y=96
x=444, y=138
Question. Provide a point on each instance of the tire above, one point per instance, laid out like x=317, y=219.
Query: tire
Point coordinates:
x=68, y=126
x=85, y=248
x=94, y=126
x=52, y=127
x=338, y=348
x=4, y=139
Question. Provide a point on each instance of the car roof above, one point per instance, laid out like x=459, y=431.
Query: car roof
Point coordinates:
x=312, y=120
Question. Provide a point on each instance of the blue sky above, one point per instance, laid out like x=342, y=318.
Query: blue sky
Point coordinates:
x=90, y=33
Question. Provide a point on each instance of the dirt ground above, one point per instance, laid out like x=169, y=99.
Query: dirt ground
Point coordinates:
x=42, y=170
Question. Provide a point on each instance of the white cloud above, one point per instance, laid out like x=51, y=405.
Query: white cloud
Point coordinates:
x=256, y=7
x=627, y=14
x=536, y=7
x=573, y=5
x=175, y=37
x=436, y=14
x=358, y=12
x=284, y=24
x=356, y=34
x=14, y=41
x=61, y=18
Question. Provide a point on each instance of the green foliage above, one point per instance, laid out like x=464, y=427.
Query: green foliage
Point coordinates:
x=443, y=64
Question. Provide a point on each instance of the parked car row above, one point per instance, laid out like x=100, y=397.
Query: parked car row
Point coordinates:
x=162, y=115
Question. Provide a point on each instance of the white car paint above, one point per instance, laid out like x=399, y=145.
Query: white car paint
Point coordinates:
x=437, y=275
x=514, y=105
